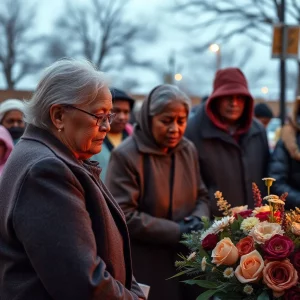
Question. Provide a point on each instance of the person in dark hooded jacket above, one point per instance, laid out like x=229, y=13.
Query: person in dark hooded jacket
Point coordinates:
x=285, y=160
x=232, y=146
x=154, y=176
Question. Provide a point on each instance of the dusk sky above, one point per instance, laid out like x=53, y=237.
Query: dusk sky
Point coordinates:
x=197, y=69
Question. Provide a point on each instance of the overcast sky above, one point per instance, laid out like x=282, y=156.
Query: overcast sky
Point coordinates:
x=197, y=70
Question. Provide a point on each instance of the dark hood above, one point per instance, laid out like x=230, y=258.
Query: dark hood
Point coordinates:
x=230, y=81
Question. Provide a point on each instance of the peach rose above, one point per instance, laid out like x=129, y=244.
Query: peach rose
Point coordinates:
x=280, y=276
x=263, y=231
x=295, y=228
x=250, y=268
x=225, y=253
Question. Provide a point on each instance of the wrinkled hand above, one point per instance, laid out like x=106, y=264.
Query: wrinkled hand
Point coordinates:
x=189, y=224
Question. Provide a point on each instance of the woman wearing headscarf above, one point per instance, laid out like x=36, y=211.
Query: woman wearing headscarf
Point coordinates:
x=154, y=176
x=285, y=160
x=62, y=235
x=6, y=146
x=12, y=117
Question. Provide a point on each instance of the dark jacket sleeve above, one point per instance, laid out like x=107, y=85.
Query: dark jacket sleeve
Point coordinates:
x=122, y=181
x=279, y=169
x=53, y=225
x=202, y=207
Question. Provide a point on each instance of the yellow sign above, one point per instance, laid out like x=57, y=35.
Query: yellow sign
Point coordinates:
x=292, y=40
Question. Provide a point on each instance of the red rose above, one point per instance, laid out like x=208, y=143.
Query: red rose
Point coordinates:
x=292, y=294
x=295, y=259
x=244, y=214
x=263, y=216
x=245, y=245
x=278, y=247
x=210, y=242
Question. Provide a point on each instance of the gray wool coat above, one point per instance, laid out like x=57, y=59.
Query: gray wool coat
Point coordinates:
x=139, y=178
x=62, y=235
x=226, y=165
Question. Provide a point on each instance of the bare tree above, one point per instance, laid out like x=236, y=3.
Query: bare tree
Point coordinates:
x=232, y=18
x=16, y=41
x=101, y=31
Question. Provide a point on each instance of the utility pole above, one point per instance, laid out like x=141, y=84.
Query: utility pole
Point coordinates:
x=282, y=63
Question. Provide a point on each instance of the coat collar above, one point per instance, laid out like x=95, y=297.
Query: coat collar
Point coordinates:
x=46, y=138
x=209, y=130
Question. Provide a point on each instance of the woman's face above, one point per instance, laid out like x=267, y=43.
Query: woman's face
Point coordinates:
x=169, y=126
x=80, y=132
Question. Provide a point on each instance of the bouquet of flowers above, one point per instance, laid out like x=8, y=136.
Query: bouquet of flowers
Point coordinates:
x=247, y=253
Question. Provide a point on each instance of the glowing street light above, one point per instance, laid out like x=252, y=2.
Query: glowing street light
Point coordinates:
x=264, y=90
x=178, y=77
x=216, y=49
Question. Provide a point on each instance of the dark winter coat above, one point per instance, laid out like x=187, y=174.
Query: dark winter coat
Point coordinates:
x=285, y=162
x=286, y=171
x=62, y=235
x=140, y=178
x=228, y=165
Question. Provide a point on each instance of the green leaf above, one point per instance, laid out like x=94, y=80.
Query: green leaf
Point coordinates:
x=204, y=283
x=206, y=222
x=224, y=234
x=206, y=295
x=263, y=296
x=179, y=274
x=235, y=226
x=203, y=253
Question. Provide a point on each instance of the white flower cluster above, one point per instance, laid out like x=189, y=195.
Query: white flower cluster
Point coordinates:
x=217, y=226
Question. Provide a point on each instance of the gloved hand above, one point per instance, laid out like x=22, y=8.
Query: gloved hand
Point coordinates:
x=189, y=224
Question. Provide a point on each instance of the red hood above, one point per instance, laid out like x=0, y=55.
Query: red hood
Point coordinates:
x=230, y=81
x=6, y=138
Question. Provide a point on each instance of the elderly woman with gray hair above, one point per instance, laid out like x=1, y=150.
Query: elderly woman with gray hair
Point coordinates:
x=154, y=176
x=62, y=235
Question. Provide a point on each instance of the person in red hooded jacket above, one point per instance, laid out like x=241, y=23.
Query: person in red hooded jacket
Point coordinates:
x=6, y=146
x=232, y=146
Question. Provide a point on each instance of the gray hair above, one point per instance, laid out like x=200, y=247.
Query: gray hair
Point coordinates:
x=66, y=81
x=165, y=94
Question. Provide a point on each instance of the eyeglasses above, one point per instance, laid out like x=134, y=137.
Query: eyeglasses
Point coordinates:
x=101, y=118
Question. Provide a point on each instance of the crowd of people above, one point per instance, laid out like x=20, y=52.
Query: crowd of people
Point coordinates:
x=92, y=207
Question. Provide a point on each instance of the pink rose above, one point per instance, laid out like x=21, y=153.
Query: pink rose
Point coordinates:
x=278, y=247
x=250, y=268
x=225, y=253
x=210, y=242
x=280, y=276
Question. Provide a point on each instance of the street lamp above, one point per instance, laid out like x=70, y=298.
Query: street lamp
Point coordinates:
x=217, y=49
x=178, y=77
x=264, y=90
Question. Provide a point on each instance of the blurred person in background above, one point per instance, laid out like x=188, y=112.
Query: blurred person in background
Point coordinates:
x=120, y=128
x=232, y=146
x=263, y=113
x=6, y=146
x=12, y=117
x=62, y=235
x=285, y=160
x=155, y=178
